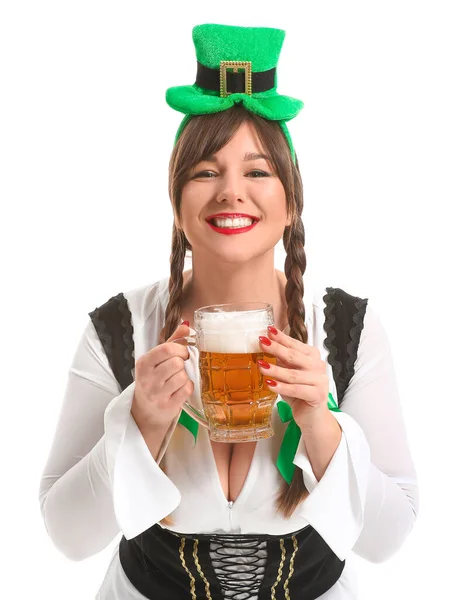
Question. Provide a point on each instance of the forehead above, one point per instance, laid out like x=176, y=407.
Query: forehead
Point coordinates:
x=244, y=145
x=247, y=136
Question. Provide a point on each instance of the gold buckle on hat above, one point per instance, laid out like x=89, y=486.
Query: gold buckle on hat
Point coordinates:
x=235, y=65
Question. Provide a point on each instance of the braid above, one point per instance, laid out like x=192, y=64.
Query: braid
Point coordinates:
x=295, y=264
x=175, y=286
x=294, y=268
x=173, y=311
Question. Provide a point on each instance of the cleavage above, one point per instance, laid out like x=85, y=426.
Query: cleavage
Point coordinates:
x=233, y=463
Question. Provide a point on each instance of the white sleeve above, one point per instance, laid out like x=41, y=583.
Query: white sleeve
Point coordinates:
x=367, y=500
x=100, y=477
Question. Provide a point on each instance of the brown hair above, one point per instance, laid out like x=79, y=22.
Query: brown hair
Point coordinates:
x=203, y=136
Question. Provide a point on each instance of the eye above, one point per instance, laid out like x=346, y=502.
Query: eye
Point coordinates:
x=254, y=174
x=205, y=174
x=258, y=173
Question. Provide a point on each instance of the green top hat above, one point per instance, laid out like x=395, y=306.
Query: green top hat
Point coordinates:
x=235, y=64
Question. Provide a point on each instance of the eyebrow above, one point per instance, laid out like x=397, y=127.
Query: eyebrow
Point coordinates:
x=248, y=156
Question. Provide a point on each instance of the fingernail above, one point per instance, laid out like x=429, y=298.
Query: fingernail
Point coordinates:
x=272, y=329
x=185, y=323
x=264, y=340
x=263, y=364
x=271, y=383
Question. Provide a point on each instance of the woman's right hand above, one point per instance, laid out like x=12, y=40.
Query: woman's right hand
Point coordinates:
x=161, y=383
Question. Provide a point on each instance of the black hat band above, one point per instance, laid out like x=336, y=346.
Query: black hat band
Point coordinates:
x=209, y=79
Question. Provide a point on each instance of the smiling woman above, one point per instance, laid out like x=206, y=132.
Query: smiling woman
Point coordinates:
x=264, y=518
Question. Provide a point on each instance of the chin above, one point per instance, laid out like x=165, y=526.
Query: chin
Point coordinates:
x=236, y=257
x=231, y=251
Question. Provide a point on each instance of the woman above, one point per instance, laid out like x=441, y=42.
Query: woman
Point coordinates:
x=202, y=519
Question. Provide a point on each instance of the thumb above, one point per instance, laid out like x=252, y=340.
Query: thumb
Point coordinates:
x=181, y=331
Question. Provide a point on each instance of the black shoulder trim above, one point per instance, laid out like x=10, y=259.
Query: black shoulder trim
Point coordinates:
x=344, y=322
x=113, y=324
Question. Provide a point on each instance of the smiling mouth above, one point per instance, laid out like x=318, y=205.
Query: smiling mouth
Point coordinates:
x=232, y=223
x=229, y=220
x=228, y=226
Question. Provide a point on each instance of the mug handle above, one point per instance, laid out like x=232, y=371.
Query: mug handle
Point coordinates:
x=195, y=413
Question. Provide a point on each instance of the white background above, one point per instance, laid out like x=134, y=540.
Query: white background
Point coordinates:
x=85, y=137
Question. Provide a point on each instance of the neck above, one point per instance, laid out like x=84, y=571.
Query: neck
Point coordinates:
x=223, y=283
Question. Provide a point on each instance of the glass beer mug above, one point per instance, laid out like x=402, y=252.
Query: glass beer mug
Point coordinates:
x=236, y=402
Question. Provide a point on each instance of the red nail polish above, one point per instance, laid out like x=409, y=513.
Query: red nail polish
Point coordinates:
x=264, y=340
x=263, y=364
x=185, y=323
x=271, y=383
x=272, y=329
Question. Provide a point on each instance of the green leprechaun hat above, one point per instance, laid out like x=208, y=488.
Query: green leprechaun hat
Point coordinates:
x=235, y=65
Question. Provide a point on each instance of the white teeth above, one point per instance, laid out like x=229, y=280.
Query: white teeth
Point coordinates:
x=232, y=223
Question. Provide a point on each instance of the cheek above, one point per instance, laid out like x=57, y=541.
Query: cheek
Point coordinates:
x=190, y=205
x=277, y=207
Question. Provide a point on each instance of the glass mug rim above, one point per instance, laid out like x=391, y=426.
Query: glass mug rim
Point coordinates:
x=258, y=307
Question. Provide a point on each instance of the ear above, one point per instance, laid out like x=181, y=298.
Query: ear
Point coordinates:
x=290, y=215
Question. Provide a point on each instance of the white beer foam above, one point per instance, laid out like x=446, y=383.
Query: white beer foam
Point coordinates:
x=232, y=332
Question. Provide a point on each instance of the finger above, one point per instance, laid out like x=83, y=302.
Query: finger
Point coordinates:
x=313, y=393
x=315, y=365
x=175, y=383
x=290, y=356
x=165, y=370
x=285, y=340
x=288, y=375
x=160, y=354
x=170, y=350
x=183, y=393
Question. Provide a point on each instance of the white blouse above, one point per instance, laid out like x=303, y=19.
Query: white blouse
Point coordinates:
x=101, y=479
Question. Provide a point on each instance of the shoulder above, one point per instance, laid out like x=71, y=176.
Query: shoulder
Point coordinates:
x=353, y=307
x=145, y=300
x=327, y=298
x=141, y=302
x=330, y=303
x=326, y=293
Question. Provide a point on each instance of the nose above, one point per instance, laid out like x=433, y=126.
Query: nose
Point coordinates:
x=231, y=189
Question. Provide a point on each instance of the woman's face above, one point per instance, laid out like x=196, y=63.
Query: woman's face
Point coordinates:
x=233, y=206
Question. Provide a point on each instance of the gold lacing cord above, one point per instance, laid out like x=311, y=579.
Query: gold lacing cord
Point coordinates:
x=199, y=570
x=291, y=567
x=281, y=565
x=191, y=576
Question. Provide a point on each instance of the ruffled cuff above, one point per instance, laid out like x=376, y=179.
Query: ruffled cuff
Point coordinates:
x=335, y=506
x=142, y=493
x=301, y=460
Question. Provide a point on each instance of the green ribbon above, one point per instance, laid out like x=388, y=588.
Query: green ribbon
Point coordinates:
x=190, y=424
x=291, y=439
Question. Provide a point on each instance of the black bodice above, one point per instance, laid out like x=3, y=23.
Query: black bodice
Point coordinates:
x=165, y=565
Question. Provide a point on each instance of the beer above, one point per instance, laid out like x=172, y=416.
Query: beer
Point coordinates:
x=234, y=393
x=236, y=400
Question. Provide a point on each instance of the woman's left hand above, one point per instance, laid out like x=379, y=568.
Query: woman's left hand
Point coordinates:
x=300, y=376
